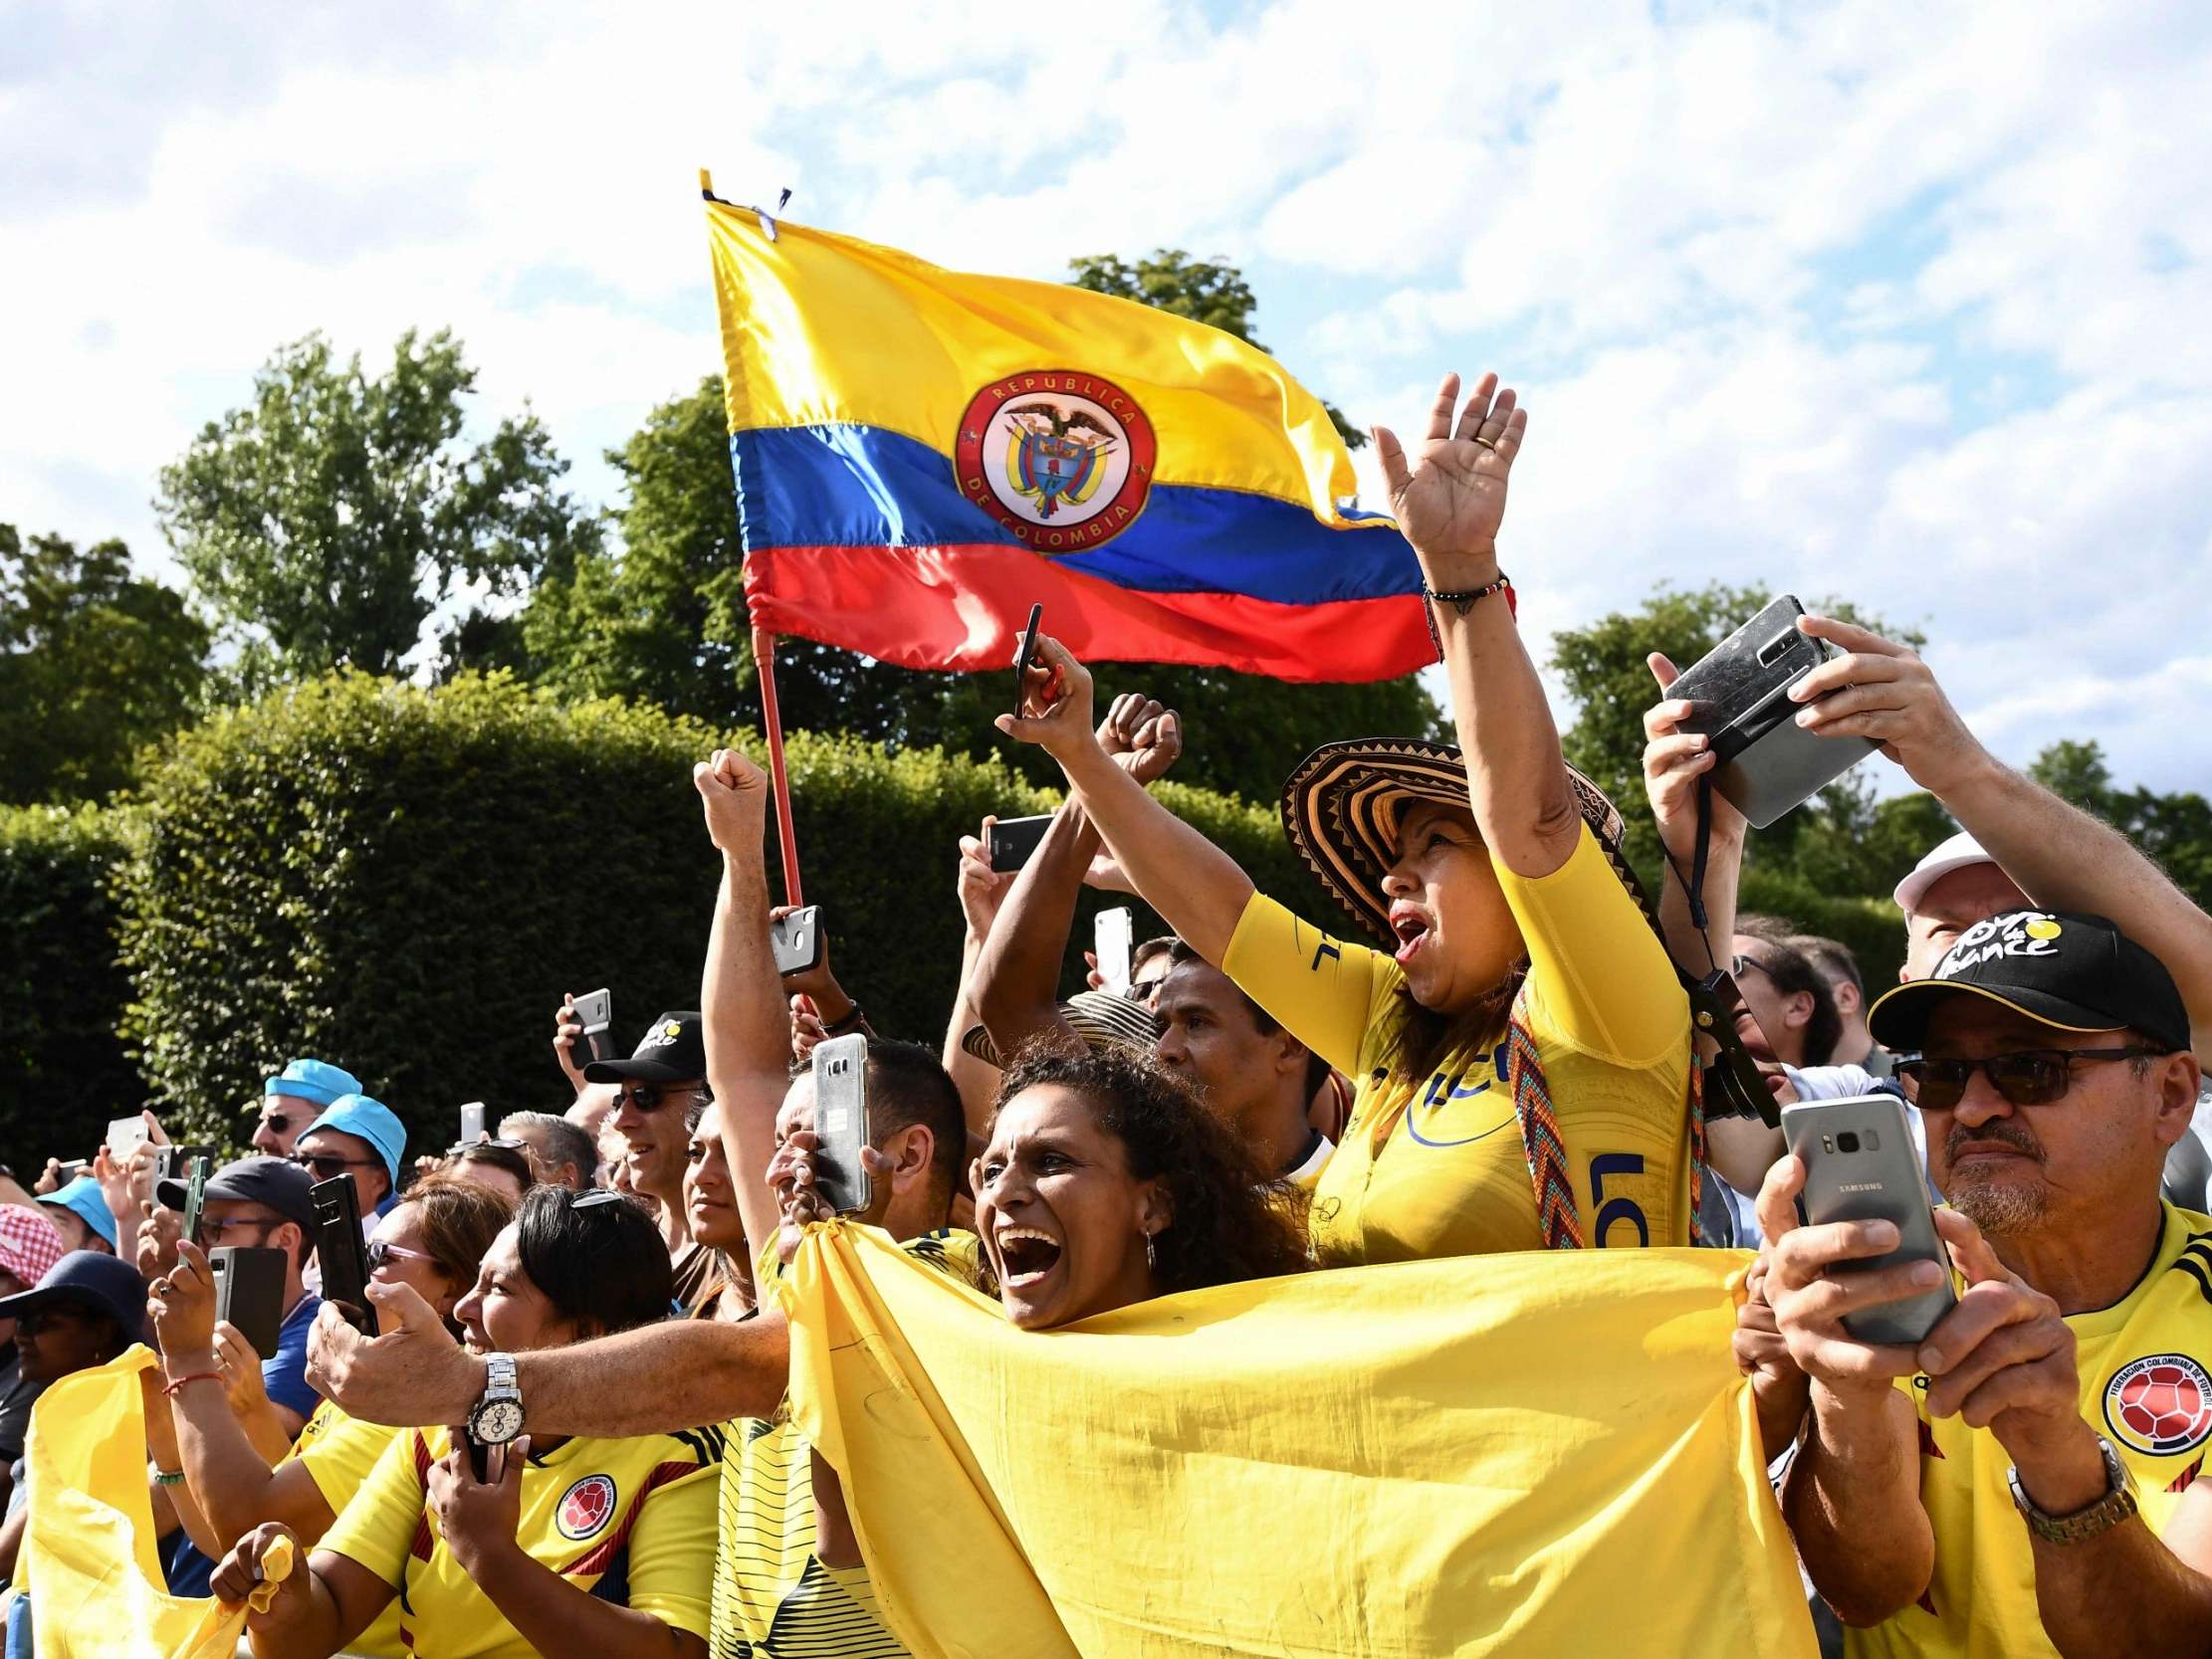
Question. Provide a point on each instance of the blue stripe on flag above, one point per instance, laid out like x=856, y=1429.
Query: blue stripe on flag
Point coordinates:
x=856, y=485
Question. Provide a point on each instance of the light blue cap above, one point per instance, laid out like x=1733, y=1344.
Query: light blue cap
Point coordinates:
x=83, y=1197
x=313, y=1079
x=371, y=1121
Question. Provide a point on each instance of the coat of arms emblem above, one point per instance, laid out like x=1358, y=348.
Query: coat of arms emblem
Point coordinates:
x=1060, y=458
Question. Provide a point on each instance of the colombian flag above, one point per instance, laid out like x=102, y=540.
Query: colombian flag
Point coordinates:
x=922, y=453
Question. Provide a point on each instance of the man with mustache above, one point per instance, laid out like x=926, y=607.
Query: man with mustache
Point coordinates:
x=2022, y=1482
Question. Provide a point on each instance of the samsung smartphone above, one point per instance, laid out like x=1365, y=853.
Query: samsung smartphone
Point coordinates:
x=841, y=1123
x=472, y=1122
x=1022, y=659
x=797, y=940
x=249, y=1292
x=195, y=1197
x=1112, y=934
x=1764, y=762
x=595, y=1013
x=1012, y=840
x=125, y=1137
x=339, y=1248
x=1861, y=1165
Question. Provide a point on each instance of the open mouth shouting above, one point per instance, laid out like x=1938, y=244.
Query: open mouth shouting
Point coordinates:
x=1027, y=1258
x=1412, y=926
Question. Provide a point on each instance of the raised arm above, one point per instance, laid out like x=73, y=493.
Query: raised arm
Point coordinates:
x=1449, y=497
x=747, y=1019
x=2061, y=857
x=982, y=893
x=1196, y=887
x=1018, y=974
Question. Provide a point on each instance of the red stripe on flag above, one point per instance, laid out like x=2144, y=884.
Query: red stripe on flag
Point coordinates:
x=963, y=608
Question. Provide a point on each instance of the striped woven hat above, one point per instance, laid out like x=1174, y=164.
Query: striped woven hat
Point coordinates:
x=1102, y=1019
x=1341, y=808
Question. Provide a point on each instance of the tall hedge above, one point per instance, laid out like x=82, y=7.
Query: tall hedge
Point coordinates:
x=405, y=880
x=60, y=987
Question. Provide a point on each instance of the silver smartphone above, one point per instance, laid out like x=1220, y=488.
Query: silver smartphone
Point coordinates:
x=1112, y=934
x=841, y=1123
x=1861, y=1165
x=472, y=1122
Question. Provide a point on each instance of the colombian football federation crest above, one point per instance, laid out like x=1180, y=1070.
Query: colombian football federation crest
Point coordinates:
x=586, y=1507
x=2160, y=1405
x=1060, y=458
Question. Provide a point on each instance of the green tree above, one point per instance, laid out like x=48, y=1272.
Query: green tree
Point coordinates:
x=2175, y=829
x=1204, y=291
x=328, y=520
x=94, y=662
x=664, y=620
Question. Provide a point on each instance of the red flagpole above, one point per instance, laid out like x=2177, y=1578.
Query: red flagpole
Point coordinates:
x=764, y=658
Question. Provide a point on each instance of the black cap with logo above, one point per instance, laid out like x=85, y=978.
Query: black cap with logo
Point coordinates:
x=2074, y=972
x=674, y=1051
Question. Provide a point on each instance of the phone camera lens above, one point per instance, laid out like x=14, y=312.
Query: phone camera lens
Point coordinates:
x=1847, y=1142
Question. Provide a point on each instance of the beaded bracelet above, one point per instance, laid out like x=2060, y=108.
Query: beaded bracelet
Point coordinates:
x=168, y=1477
x=1462, y=602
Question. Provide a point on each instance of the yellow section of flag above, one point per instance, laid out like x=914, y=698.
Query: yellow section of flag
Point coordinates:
x=89, y=1559
x=1543, y=1454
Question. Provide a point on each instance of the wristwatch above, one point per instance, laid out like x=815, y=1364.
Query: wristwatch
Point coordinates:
x=2118, y=1504
x=498, y=1417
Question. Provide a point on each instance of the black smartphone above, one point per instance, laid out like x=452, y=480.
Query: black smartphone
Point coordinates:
x=249, y=1292
x=1012, y=840
x=479, y=1458
x=1764, y=762
x=595, y=1013
x=841, y=1123
x=69, y=1168
x=1861, y=1165
x=1021, y=659
x=174, y=1163
x=341, y=1250
x=797, y=940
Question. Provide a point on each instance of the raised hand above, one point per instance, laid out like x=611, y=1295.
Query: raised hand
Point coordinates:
x=183, y=1303
x=1055, y=702
x=2003, y=1358
x=1673, y=761
x=1880, y=690
x=1449, y=495
x=733, y=793
x=477, y=1518
x=981, y=889
x=568, y=1033
x=1143, y=737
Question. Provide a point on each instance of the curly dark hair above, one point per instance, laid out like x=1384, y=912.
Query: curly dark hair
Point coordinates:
x=1229, y=1222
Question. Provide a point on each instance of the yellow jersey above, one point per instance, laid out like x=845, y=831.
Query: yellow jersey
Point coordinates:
x=1437, y=1168
x=338, y=1452
x=630, y=1521
x=2144, y=1387
x=774, y=1597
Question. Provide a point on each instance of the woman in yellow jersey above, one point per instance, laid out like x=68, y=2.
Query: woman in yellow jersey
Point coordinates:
x=566, y=1548
x=1521, y=1054
x=433, y=1240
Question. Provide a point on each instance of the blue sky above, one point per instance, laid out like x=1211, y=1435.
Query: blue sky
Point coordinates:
x=1897, y=302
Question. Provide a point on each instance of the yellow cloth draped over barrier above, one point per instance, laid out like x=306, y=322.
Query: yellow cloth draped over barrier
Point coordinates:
x=89, y=1559
x=1541, y=1454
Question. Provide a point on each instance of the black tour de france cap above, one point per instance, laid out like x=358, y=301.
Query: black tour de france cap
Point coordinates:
x=674, y=1051
x=2074, y=972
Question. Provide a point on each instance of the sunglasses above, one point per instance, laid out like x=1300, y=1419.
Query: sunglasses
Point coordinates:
x=647, y=1096
x=378, y=1253
x=596, y=1198
x=277, y=1123
x=2031, y=1077
x=328, y=1166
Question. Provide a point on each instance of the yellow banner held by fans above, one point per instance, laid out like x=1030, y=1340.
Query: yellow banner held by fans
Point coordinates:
x=1543, y=1454
x=89, y=1561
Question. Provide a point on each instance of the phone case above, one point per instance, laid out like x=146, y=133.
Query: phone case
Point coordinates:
x=1111, y=937
x=1861, y=1165
x=472, y=1122
x=796, y=941
x=1013, y=840
x=339, y=1248
x=841, y=1123
x=1765, y=764
x=249, y=1292
x=595, y=1013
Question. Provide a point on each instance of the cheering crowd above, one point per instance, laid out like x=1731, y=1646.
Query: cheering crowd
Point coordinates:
x=570, y=1436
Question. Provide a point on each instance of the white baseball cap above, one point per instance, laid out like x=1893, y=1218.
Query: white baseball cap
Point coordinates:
x=1957, y=853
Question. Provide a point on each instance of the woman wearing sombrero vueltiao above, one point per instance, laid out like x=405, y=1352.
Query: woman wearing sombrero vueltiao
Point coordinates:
x=1521, y=953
